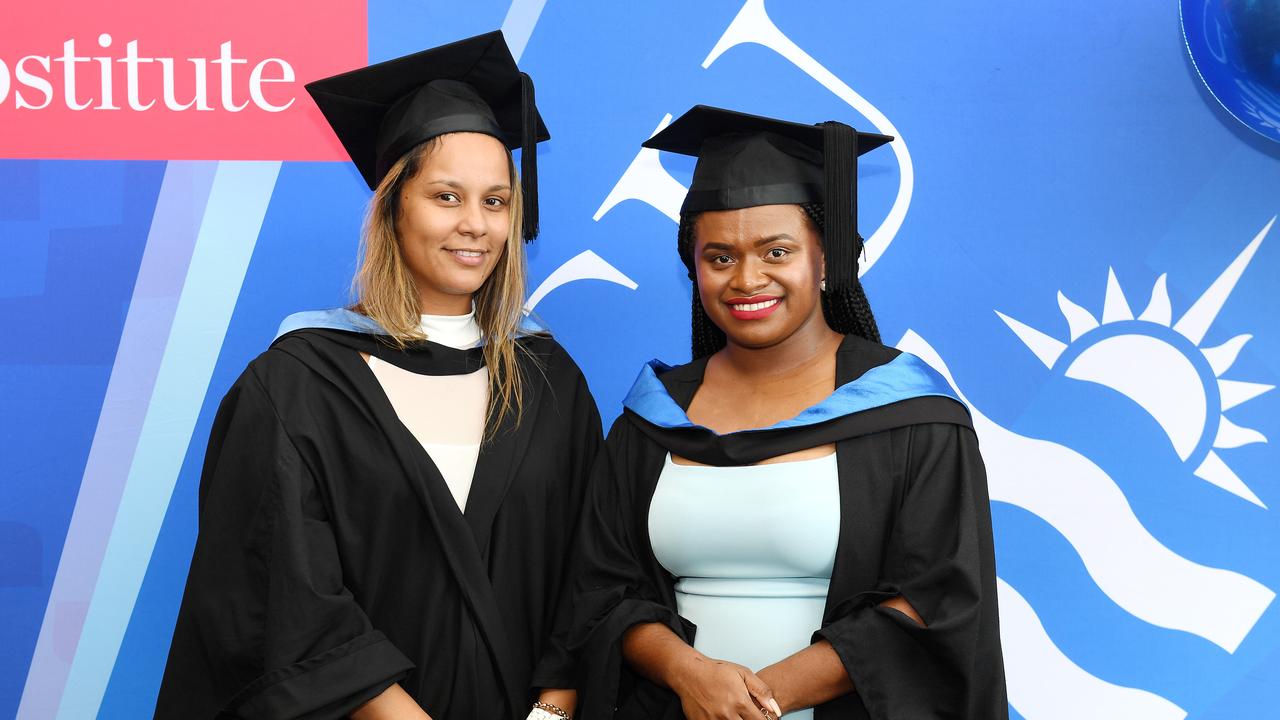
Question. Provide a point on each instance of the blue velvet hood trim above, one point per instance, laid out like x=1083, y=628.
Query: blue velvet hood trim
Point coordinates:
x=351, y=321
x=903, y=378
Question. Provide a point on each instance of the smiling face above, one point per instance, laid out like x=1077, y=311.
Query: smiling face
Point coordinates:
x=453, y=221
x=758, y=273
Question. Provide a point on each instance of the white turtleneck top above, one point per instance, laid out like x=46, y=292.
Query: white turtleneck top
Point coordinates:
x=444, y=412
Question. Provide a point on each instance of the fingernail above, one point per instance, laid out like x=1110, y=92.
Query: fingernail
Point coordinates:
x=774, y=704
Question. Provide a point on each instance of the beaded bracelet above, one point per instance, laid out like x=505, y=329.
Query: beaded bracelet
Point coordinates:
x=550, y=709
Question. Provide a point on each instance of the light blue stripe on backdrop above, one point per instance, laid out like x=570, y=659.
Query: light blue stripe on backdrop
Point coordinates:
x=518, y=26
x=174, y=227
x=237, y=204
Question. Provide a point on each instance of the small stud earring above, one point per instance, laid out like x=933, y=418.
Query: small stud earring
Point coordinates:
x=823, y=285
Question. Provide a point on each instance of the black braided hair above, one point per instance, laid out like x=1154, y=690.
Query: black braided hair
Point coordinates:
x=848, y=312
x=706, y=337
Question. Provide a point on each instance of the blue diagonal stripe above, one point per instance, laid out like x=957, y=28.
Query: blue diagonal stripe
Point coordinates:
x=237, y=204
x=175, y=226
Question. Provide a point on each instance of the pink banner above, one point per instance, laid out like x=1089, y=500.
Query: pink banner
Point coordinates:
x=152, y=80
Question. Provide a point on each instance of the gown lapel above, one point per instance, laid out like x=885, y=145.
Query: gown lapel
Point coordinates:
x=456, y=534
x=500, y=455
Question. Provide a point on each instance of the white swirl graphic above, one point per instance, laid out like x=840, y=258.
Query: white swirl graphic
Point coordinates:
x=753, y=25
x=586, y=265
x=1045, y=685
x=1076, y=497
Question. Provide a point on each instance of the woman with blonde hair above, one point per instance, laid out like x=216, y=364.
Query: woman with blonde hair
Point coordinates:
x=389, y=490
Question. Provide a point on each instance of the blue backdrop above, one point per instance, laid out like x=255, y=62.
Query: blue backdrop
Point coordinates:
x=1069, y=225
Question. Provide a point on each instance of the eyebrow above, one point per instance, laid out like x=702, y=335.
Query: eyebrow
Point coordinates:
x=458, y=186
x=762, y=241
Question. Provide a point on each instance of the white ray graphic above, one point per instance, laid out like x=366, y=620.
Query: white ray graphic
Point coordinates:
x=1048, y=349
x=1231, y=435
x=1235, y=392
x=1195, y=323
x=1115, y=308
x=1079, y=320
x=584, y=266
x=647, y=181
x=1045, y=685
x=1212, y=469
x=1085, y=505
x=1160, y=376
x=1159, y=310
x=752, y=25
x=1221, y=358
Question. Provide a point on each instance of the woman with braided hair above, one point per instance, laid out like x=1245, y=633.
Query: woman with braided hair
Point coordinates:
x=796, y=522
x=847, y=312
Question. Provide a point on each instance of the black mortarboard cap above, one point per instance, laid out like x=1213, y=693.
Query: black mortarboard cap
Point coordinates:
x=748, y=160
x=385, y=110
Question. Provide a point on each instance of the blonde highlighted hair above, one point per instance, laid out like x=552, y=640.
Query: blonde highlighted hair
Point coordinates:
x=385, y=289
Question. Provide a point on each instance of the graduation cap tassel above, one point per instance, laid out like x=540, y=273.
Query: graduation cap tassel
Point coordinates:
x=529, y=157
x=841, y=242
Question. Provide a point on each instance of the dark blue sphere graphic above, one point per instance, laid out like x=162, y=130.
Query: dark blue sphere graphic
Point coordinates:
x=1235, y=46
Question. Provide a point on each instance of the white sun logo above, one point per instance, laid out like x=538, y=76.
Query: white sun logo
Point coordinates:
x=1160, y=365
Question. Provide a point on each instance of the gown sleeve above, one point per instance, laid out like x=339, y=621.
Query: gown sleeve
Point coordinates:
x=267, y=628
x=939, y=557
x=613, y=589
x=556, y=666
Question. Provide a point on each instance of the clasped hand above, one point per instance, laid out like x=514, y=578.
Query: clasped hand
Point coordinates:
x=712, y=689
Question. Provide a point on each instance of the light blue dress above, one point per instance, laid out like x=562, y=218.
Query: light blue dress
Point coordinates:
x=752, y=550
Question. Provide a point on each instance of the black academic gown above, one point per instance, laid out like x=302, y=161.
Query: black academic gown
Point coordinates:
x=915, y=521
x=332, y=559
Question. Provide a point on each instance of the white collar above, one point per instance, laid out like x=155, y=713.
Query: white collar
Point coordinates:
x=456, y=331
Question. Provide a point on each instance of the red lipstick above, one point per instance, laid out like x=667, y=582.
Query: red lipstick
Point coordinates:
x=756, y=307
